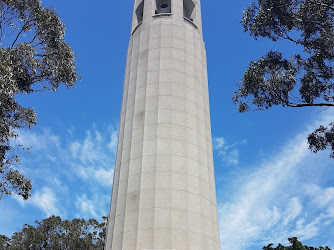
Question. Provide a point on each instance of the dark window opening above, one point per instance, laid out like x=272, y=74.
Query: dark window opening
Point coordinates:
x=189, y=10
x=140, y=12
x=163, y=6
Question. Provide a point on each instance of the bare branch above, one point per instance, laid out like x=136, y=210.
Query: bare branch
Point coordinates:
x=18, y=35
x=287, y=37
x=43, y=90
x=25, y=25
x=310, y=105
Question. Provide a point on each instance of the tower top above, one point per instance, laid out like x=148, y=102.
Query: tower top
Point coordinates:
x=146, y=11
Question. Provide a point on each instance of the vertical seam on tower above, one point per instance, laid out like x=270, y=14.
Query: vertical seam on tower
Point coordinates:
x=170, y=158
x=198, y=111
x=143, y=128
x=170, y=172
x=156, y=154
x=200, y=81
x=186, y=170
x=188, y=238
x=130, y=146
x=142, y=156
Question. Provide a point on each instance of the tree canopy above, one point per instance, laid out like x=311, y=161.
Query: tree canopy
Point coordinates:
x=56, y=234
x=305, y=79
x=295, y=245
x=34, y=57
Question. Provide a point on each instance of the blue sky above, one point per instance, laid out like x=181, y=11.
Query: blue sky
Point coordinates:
x=269, y=186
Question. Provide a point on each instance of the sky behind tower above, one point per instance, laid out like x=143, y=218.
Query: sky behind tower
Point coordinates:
x=269, y=186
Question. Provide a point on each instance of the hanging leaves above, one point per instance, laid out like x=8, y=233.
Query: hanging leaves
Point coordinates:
x=305, y=79
x=34, y=57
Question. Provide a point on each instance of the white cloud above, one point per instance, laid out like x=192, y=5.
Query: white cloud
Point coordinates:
x=320, y=197
x=91, y=156
x=86, y=151
x=227, y=152
x=37, y=141
x=105, y=177
x=233, y=157
x=85, y=206
x=293, y=209
x=279, y=199
x=44, y=199
x=95, y=156
x=92, y=206
x=218, y=142
x=113, y=141
x=307, y=230
x=99, y=176
x=66, y=164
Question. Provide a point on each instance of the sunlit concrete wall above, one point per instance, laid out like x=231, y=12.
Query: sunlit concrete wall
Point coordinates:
x=164, y=187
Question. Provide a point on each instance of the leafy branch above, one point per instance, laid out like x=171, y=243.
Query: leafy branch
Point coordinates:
x=305, y=80
x=33, y=53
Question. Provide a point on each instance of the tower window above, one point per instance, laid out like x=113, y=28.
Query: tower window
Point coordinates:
x=140, y=12
x=189, y=10
x=163, y=6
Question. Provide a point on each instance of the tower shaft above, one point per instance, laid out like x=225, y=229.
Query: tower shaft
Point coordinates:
x=164, y=188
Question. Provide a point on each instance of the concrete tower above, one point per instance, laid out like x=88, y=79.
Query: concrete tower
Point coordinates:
x=164, y=187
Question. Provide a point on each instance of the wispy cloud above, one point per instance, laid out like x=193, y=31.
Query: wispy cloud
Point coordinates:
x=229, y=153
x=44, y=199
x=88, y=150
x=73, y=170
x=281, y=198
x=101, y=176
x=38, y=141
x=86, y=206
x=218, y=143
x=91, y=206
x=321, y=198
x=93, y=157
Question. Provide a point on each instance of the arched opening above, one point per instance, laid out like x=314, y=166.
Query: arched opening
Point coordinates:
x=189, y=10
x=140, y=12
x=163, y=6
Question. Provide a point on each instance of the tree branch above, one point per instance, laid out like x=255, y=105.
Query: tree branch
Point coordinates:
x=310, y=105
x=302, y=43
x=321, y=4
x=26, y=23
x=18, y=35
x=33, y=40
x=43, y=90
x=44, y=55
x=324, y=5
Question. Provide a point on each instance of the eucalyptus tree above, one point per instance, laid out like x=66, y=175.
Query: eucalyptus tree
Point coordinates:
x=34, y=57
x=305, y=79
x=54, y=233
x=295, y=244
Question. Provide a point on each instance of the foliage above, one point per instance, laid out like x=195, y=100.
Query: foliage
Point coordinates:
x=303, y=80
x=4, y=241
x=34, y=57
x=53, y=233
x=295, y=245
x=321, y=138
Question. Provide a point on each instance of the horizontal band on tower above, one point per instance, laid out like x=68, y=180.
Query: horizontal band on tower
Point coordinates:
x=189, y=21
x=162, y=15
